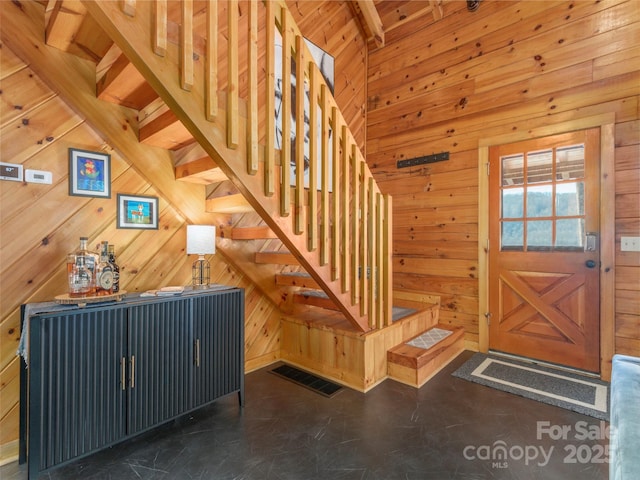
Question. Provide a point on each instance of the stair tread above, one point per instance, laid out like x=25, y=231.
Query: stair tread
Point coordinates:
x=333, y=320
x=414, y=366
x=414, y=357
x=313, y=293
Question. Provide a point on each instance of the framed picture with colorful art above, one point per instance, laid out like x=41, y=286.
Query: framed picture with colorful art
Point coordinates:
x=137, y=211
x=89, y=173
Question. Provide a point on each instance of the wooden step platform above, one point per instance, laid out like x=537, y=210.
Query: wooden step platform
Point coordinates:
x=415, y=361
x=325, y=343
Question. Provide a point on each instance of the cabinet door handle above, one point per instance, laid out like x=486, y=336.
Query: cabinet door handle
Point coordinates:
x=197, y=352
x=123, y=372
x=133, y=371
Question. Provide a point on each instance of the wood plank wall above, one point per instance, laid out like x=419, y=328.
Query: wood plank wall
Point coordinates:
x=41, y=223
x=509, y=66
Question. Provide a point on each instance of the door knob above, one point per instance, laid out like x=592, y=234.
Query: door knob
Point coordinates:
x=590, y=263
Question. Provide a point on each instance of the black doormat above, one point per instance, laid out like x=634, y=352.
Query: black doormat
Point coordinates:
x=582, y=394
x=307, y=380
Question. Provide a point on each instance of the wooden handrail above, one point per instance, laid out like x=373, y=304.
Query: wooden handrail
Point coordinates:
x=341, y=213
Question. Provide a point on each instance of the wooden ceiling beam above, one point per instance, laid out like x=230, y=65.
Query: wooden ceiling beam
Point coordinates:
x=370, y=20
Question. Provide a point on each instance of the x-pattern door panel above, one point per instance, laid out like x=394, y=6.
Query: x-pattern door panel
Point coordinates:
x=544, y=287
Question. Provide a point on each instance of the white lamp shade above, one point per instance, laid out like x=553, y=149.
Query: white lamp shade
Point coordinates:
x=201, y=239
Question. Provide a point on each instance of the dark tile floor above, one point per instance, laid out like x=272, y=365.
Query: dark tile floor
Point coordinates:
x=448, y=429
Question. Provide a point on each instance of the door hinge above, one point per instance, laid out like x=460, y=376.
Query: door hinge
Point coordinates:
x=487, y=315
x=488, y=168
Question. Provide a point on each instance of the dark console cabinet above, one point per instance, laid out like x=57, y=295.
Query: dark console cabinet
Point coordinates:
x=100, y=374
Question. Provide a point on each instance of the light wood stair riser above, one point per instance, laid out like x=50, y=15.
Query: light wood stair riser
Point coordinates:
x=276, y=258
x=415, y=366
x=314, y=301
x=304, y=281
x=247, y=233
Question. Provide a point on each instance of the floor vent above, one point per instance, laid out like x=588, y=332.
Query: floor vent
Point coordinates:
x=307, y=380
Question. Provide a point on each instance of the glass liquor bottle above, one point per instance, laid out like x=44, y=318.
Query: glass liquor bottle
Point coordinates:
x=116, y=269
x=104, y=272
x=91, y=260
x=80, y=279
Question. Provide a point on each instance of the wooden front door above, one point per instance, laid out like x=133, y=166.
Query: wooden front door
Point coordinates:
x=544, y=249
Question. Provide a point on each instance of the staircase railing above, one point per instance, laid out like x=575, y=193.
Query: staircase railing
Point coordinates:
x=337, y=223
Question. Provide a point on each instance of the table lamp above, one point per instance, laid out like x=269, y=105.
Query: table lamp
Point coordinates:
x=201, y=241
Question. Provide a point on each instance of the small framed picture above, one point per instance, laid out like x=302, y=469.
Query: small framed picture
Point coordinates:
x=89, y=173
x=137, y=211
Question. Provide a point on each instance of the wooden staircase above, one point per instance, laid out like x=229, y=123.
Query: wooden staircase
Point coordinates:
x=337, y=226
x=304, y=246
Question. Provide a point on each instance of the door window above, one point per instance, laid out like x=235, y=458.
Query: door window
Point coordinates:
x=542, y=200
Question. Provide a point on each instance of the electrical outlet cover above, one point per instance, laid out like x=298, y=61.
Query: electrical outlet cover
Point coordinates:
x=38, y=176
x=630, y=244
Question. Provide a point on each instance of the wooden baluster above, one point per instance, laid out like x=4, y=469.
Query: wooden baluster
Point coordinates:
x=371, y=252
x=300, y=124
x=186, y=45
x=233, y=121
x=379, y=260
x=160, y=27
x=335, y=215
x=324, y=164
x=355, y=226
x=379, y=257
x=285, y=163
x=344, y=223
x=313, y=160
x=129, y=7
x=387, y=279
x=252, y=101
x=269, y=161
x=364, y=237
x=211, y=68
